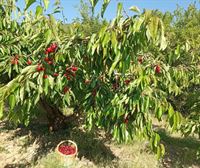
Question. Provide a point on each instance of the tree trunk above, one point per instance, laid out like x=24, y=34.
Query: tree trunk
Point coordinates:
x=56, y=118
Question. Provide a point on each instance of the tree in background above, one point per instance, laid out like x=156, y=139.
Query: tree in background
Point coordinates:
x=183, y=32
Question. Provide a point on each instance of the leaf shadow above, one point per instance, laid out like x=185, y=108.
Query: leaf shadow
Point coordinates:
x=180, y=151
x=90, y=145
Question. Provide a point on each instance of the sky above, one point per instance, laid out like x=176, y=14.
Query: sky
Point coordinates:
x=70, y=7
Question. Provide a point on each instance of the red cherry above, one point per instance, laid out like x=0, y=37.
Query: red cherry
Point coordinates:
x=158, y=69
x=46, y=59
x=115, y=86
x=73, y=74
x=29, y=62
x=126, y=121
x=38, y=68
x=49, y=50
x=66, y=89
x=127, y=81
x=50, y=62
x=14, y=60
x=67, y=150
x=54, y=46
x=46, y=52
x=68, y=77
x=55, y=74
x=45, y=76
x=74, y=68
x=140, y=59
x=94, y=92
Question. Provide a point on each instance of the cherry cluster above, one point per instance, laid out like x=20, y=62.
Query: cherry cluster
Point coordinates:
x=53, y=47
x=67, y=150
x=47, y=60
x=157, y=67
x=70, y=72
x=15, y=60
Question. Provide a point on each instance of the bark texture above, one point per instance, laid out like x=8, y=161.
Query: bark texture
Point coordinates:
x=56, y=118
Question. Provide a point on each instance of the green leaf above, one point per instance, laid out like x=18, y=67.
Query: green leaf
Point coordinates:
x=28, y=105
x=178, y=118
x=137, y=24
x=119, y=10
x=170, y=111
x=28, y=69
x=36, y=98
x=162, y=147
x=27, y=86
x=153, y=27
x=159, y=112
x=32, y=85
x=46, y=86
x=114, y=41
x=1, y=109
x=11, y=101
x=46, y=3
x=51, y=82
x=39, y=11
x=104, y=6
x=29, y=3
x=21, y=93
x=67, y=98
x=175, y=122
x=114, y=64
x=163, y=41
x=48, y=36
x=158, y=152
x=115, y=132
x=93, y=4
x=178, y=49
x=134, y=9
x=156, y=140
x=54, y=27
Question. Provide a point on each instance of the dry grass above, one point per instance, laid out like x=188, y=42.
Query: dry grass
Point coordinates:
x=34, y=147
x=132, y=155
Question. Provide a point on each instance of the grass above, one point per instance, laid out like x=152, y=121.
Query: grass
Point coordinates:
x=96, y=150
x=126, y=156
x=180, y=151
x=2, y=149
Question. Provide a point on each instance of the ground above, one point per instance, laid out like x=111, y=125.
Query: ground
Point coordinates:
x=34, y=146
